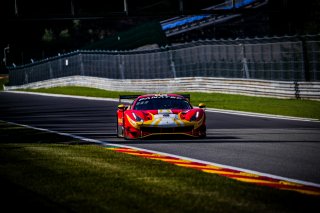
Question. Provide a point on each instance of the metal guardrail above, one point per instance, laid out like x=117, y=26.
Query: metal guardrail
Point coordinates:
x=278, y=89
x=291, y=58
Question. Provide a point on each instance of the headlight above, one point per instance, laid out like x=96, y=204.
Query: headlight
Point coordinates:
x=136, y=117
x=195, y=116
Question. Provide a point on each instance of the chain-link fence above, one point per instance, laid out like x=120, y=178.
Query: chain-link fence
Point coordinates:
x=294, y=58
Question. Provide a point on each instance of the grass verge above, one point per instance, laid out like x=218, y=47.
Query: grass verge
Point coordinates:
x=288, y=107
x=44, y=172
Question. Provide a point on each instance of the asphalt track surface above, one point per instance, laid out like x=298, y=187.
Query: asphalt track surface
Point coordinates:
x=281, y=147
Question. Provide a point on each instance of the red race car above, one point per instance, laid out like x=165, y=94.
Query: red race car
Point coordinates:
x=159, y=114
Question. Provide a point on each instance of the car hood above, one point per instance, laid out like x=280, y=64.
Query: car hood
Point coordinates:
x=164, y=118
x=164, y=111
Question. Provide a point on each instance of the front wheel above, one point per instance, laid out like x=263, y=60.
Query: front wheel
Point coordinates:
x=119, y=130
x=202, y=136
x=125, y=135
x=203, y=132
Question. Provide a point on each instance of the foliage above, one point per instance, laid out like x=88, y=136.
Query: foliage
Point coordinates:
x=48, y=35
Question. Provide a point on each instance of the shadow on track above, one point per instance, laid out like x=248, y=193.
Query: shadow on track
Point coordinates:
x=173, y=139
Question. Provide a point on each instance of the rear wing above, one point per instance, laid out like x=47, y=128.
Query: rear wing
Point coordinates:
x=130, y=98
x=187, y=96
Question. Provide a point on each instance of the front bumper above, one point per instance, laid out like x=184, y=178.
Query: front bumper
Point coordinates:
x=146, y=131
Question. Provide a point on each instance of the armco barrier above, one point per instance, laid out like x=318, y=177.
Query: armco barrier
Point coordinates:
x=277, y=89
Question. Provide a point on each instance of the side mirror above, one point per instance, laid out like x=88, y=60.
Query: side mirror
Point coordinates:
x=202, y=105
x=121, y=106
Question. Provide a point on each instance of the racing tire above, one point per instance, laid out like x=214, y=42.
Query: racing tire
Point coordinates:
x=119, y=130
x=125, y=134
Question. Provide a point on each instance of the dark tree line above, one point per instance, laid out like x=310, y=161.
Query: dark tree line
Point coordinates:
x=61, y=26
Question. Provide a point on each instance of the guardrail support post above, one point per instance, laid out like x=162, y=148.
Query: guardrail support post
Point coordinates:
x=245, y=69
x=172, y=65
x=81, y=65
x=305, y=59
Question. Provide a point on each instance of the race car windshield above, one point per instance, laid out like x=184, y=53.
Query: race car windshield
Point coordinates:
x=153, y=103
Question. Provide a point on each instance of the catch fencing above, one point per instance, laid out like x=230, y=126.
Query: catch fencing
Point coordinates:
x=290, y=58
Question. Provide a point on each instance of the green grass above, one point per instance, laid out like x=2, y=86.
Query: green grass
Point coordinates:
x=288, y=107
x=46, y=172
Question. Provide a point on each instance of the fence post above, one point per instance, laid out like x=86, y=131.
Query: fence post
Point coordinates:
x=296, y=89
x=172, y=65
x=121, y=66
x=26, y=78
x=50, y=71
x=81, y=65
x=305, y=59
x=245, y=69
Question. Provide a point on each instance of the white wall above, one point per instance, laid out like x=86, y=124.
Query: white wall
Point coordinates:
x=277, y=89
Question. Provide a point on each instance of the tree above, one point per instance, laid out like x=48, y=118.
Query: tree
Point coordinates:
x=48, y=36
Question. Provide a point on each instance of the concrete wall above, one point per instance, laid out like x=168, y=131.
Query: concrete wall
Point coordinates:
x=277, y=89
